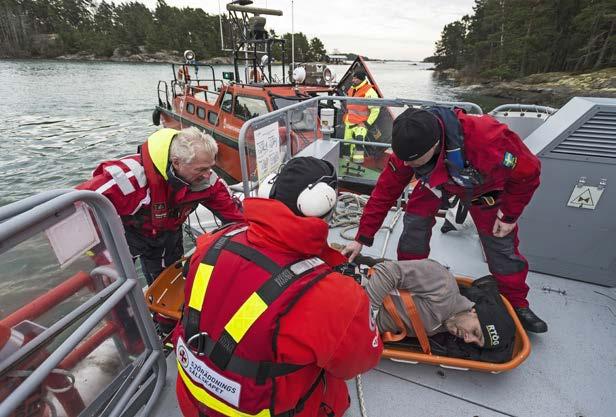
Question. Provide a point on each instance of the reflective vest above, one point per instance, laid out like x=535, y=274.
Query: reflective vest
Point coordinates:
x=226, y=349
x=357, y=113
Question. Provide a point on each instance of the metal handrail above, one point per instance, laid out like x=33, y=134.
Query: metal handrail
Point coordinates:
x=165, y=90
x=214, y=80
x=524, y=107
x=18, y=218
x=282, y=114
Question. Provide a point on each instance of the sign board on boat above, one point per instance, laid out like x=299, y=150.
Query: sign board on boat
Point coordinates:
x=267, y=150
x=73, y=236
x=585, y=196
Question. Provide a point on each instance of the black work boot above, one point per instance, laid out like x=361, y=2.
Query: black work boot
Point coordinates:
x=530, y=321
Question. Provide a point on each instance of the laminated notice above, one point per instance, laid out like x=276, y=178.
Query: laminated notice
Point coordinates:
x=73, y=236
x=267, y=150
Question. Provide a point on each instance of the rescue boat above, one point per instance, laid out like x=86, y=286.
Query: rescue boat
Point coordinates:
x=258, y=85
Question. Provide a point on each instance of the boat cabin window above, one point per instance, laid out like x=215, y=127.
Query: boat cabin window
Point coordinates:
x=280, y=102
x=200, y=112
x=207, y=96
x=190, y=108
x=249, y=107
x=227, y=102
x=212, y=117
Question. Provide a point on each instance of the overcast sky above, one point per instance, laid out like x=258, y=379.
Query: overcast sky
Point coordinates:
x=403, y=29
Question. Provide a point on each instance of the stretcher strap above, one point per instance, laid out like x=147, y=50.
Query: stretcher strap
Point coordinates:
x=418, y=327
x=391, y=309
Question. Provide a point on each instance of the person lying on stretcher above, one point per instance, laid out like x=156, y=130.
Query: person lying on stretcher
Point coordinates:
x=471, y=323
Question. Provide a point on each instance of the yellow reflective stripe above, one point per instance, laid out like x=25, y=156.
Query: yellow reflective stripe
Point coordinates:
x=243, y=318
x=212, y=402
x=197, y=293
x=371, y=94
x=361, y=84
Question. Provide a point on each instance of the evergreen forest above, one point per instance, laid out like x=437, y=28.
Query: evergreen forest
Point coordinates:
x=50, y=28
x=505, y=39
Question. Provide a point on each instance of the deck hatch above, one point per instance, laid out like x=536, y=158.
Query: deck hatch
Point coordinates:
x=594, y=138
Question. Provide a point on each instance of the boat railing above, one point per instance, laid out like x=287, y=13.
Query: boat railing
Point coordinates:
x=523, y=108
x=523, y=119
x=80, y=341
x=163, y=89
x=194, y=81
x=269, y=140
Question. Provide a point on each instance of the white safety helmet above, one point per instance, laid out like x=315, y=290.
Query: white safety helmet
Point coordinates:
x=307, y=185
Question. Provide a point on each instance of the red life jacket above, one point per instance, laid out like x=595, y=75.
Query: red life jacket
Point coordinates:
x=160, y=215
x=357, y=113
x=227, y=342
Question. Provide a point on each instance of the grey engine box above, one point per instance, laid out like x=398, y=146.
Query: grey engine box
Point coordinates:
x=569, y=227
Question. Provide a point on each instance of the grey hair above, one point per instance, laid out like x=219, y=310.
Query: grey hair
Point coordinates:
x=189, y=141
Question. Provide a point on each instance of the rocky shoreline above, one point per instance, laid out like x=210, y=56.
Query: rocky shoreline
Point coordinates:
x=141, y=56
x=554, y=88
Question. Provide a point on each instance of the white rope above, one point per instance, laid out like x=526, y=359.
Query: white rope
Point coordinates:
x=360, y=395
x=348, y=213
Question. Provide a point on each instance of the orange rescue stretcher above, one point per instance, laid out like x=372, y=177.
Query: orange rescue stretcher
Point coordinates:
x=422, y=353
x=166, y=294
x=166, y=297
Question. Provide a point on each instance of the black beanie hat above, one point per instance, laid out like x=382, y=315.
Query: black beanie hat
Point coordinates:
x=414, y=133
x=360, y=74
x=296, y=175
x=496, y=324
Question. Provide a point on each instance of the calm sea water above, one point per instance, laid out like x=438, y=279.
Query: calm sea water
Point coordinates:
x=59, y=119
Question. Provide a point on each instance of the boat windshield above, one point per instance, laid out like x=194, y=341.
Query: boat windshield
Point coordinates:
x=281, y=102
x=301, y=120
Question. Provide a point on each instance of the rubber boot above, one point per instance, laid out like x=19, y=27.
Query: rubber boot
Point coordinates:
x=530, y=321
x=357, y=152
x=358, y=157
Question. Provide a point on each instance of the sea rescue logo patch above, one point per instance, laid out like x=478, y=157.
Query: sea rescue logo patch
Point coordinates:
x=183, y=356
x=509, y=160
x=200, y=376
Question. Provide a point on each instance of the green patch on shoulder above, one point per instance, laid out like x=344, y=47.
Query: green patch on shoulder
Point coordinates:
x=509, y=160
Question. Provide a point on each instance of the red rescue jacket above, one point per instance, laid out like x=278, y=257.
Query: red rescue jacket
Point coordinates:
x=503, y=160
x=283, y=330
x=138, y=188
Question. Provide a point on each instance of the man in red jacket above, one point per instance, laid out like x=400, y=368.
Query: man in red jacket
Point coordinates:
x=473, y=157
x=268, y=328
x=155, y=191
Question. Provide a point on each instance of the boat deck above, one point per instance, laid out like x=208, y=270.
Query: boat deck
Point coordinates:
x=571, y=370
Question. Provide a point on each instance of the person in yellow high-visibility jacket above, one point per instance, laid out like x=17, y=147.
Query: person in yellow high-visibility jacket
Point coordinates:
x=359, y=117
